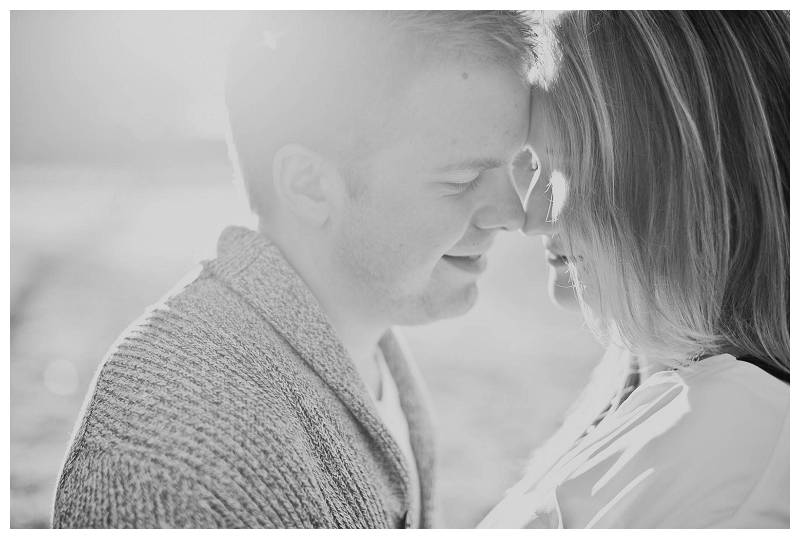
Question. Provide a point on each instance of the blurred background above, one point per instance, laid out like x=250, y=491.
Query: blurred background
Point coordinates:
x=120, y=184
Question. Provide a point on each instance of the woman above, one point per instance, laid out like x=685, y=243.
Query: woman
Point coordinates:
x=662, y=144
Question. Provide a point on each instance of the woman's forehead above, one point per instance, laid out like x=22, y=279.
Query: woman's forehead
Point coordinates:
x=539, y=103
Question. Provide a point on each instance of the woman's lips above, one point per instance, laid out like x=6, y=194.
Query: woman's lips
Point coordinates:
x=555, y=259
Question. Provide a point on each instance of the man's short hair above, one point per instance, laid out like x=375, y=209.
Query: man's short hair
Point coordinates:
x=333, y=81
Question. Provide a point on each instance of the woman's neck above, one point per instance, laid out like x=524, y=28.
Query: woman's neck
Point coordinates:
x=649, y=366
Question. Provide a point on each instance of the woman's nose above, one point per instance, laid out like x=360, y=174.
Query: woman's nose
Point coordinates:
x=538, y=208
x=525, y=167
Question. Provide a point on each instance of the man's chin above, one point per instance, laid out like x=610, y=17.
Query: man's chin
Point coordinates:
x=431, y=309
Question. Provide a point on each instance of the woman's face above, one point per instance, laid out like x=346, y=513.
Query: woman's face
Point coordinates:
x=542, y=188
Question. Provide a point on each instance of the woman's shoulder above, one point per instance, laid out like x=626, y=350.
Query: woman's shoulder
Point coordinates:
x=722, y=390
x=694, y=447
x=705, y=444
x=718, y=403
x=699, y=447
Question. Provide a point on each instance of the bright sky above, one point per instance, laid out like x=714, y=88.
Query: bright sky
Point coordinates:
x=152, y=74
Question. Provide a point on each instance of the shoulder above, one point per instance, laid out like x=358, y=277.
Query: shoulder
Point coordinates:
x=731, y=437
x=687, y=449
x=721, y=411
x=717, y=393
x=735, y=381
x=722, y=400
x=200, y=324
x=197, y=363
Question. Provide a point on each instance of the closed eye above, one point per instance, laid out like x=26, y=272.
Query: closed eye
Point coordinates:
x=461, y=187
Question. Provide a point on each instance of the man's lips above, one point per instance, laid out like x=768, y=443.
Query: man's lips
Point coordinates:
x=470, y=263
x=475, y=256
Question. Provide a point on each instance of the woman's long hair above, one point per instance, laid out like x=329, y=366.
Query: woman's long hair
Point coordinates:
x=672, y=131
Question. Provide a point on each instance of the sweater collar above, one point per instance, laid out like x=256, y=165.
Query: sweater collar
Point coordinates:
x=252, y=266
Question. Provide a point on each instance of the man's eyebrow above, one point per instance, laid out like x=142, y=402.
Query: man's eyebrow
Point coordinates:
x=470, y=165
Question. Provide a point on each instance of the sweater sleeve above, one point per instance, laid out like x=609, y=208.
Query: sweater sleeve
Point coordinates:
x=107, y=489
x=113, y=489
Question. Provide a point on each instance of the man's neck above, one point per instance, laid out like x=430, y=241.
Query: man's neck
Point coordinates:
x=358, y=332
x=359, y=336
x=361, y=344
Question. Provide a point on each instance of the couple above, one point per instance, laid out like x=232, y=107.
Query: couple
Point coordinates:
x=382, y=152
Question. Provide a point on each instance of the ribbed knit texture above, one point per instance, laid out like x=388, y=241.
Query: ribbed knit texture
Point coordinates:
x=232, y=403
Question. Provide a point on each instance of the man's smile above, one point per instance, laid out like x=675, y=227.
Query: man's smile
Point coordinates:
x=470, y=263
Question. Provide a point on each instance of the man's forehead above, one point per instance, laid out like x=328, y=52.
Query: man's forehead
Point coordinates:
x=489, y=150
x=478, y=122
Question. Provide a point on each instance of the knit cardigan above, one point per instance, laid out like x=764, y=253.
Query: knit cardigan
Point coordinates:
x=232, y=403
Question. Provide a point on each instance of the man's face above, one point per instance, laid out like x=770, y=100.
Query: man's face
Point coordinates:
x=412, y=246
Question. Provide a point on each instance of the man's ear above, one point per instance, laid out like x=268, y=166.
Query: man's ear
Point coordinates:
x=299, y=176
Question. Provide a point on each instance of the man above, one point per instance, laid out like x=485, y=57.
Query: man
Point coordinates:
x=271, y=391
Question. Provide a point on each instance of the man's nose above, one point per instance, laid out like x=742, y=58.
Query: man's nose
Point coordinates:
x=503, y=208
x=538, y=209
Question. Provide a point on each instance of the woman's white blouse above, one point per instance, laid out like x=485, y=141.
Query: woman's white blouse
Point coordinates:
x=706, y=446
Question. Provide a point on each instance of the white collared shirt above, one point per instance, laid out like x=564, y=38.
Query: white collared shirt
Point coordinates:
x=391, y=412
x=706, y=446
